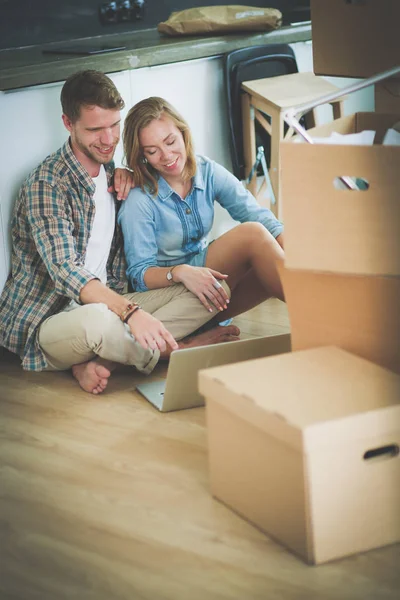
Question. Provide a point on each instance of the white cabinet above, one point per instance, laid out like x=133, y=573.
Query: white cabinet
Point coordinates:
x=31, y=128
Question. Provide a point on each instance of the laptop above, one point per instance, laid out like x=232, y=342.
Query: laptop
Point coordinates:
x=180, y=388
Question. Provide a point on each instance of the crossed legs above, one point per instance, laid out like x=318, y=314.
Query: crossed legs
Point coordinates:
x=91, y=339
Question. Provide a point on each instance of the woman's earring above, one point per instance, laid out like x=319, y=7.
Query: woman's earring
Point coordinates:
x=144, y=160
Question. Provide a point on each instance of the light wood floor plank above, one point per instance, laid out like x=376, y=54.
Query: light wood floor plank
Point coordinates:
x=104, y=498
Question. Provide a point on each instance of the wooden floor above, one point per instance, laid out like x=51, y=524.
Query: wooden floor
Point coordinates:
x=104, y=498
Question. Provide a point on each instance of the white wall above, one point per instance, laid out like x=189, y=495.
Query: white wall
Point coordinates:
x=31, y=126
x=25, y=141
x=195, y=88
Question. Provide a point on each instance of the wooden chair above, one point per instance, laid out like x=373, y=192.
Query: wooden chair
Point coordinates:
x=261, y=82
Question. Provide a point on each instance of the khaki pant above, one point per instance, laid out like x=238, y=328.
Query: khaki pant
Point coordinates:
x=82, y=333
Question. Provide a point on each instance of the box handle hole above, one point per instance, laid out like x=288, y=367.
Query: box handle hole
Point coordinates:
x=347, y=182
x=382, y=452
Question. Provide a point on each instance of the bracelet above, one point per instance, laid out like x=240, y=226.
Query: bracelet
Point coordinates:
x=128, y=316
x=127, y=310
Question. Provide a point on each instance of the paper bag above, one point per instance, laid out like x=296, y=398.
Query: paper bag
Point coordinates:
x=221, y=19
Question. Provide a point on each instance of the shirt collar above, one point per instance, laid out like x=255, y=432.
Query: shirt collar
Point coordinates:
x=198, y=179
x=165, y=190
x=80, y=171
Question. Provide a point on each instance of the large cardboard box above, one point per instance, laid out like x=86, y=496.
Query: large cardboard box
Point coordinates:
x=305, y=446
x=341, y=230
x=355, y=38
x=357, y=313
x=342, y=247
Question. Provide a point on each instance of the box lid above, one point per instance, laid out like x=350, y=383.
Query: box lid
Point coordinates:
x=301, y=397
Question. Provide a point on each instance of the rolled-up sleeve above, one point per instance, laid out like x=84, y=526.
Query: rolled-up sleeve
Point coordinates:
x=52, y=231
x=240, y=203
x=137, y=220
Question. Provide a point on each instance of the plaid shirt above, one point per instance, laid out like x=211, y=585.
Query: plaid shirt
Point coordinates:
x=50, y=228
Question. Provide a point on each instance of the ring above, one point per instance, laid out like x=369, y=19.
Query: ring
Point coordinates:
x=217, y=285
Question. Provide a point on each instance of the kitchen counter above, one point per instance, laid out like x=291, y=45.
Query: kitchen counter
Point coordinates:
x=29, y=66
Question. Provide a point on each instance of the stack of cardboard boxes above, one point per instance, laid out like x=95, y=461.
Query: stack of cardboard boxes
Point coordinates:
x=342, y=247
x=305, y=445
x=342, y=275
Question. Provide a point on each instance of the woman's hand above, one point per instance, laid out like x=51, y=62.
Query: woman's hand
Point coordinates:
x=149, y=332
x=123, y=183
x=203, y=282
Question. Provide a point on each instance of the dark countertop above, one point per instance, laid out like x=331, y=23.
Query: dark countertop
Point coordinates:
x=28, y=66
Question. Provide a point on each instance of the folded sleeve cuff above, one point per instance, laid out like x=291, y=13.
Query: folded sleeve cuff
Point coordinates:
x=147, y=368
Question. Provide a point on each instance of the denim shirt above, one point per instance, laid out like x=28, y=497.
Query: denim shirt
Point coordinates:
x=163, y=230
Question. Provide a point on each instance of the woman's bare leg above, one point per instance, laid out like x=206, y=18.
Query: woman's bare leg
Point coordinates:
x=248, y=293
x=248, y=254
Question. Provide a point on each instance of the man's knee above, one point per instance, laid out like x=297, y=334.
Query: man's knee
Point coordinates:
x=99, y=322
x=75, y=336
x=88, y=322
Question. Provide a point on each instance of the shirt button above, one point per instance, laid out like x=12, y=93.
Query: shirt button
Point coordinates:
x=188, y=211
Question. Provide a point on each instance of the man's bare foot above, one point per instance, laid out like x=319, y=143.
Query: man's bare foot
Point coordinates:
x=91, y=376
x=216, y=335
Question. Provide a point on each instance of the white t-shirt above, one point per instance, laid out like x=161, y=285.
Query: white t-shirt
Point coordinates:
x=102, y=232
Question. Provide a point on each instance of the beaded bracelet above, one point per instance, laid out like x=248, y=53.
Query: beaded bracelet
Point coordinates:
x=128, y=316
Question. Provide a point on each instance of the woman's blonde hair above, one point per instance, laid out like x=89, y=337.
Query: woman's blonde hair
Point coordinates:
x=139, y=117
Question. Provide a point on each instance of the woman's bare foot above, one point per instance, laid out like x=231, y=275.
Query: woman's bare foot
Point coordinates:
x=216, y=335
x=91, y=376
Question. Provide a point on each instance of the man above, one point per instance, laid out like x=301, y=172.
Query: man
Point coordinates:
x=63, y=304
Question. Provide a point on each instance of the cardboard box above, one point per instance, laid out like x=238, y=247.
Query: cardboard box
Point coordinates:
x=356, y=313
x=355, y=38
x=340, y=230
x=305, y=446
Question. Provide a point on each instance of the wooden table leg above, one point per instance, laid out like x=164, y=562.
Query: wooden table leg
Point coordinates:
x=310, y=118
x=249, y=140
x=276, y=137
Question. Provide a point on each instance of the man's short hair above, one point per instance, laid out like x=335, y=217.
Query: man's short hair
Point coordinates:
x=89, y=88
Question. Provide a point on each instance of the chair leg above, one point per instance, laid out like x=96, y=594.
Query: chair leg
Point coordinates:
x=249, y=140
x=276, y=137
x=338, y=109
x=311, y=119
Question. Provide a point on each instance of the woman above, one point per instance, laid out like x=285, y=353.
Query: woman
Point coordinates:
x=168, y=215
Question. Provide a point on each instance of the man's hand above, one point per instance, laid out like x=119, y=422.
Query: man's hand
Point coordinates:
x=203, y=282
x=123, y=183
x=149, y=332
